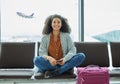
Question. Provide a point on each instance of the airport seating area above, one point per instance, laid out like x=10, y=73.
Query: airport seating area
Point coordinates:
x=16, y=58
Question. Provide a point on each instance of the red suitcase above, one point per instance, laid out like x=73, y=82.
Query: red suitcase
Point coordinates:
x=92, y=74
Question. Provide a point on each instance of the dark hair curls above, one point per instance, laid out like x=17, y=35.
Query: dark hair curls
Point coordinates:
x=47, y=25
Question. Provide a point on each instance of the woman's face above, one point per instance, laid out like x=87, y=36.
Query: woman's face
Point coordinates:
x=56, y=24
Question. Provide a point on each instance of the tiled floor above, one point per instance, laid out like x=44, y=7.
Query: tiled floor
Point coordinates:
x=48, y=81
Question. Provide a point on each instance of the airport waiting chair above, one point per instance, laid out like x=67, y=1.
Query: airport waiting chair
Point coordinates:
x=115, y=56
x=96, y=53
x=17, y=55
x=115, y=53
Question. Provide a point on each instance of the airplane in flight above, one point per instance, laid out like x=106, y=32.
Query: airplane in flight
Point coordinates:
x=24, y=15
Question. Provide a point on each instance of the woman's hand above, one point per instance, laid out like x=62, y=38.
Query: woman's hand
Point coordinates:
x=52, y=61
x=61, y=62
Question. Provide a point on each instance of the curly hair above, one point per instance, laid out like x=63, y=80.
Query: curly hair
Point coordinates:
x=47, y=25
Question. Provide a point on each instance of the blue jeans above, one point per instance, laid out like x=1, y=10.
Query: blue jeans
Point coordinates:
x=44, y=65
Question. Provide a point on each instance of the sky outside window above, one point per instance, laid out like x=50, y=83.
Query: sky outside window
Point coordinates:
x=17, y=28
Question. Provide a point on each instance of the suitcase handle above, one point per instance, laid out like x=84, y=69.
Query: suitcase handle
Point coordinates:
x=92, y=66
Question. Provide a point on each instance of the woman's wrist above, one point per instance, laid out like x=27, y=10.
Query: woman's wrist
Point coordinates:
x=47, y=57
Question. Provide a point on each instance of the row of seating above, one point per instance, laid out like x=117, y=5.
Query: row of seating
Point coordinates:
x=19, y=55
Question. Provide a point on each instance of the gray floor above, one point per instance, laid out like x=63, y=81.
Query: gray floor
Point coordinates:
x=49, y=81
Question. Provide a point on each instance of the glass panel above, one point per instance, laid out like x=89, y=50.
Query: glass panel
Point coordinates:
x=102, y=20
x=23, y=20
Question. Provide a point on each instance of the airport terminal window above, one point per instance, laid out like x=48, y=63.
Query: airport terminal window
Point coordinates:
x=23, y=20
x=102, y=20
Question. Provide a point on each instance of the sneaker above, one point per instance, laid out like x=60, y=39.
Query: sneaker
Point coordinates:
x=33, y=77
x=50, y=74
x=36, y=73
